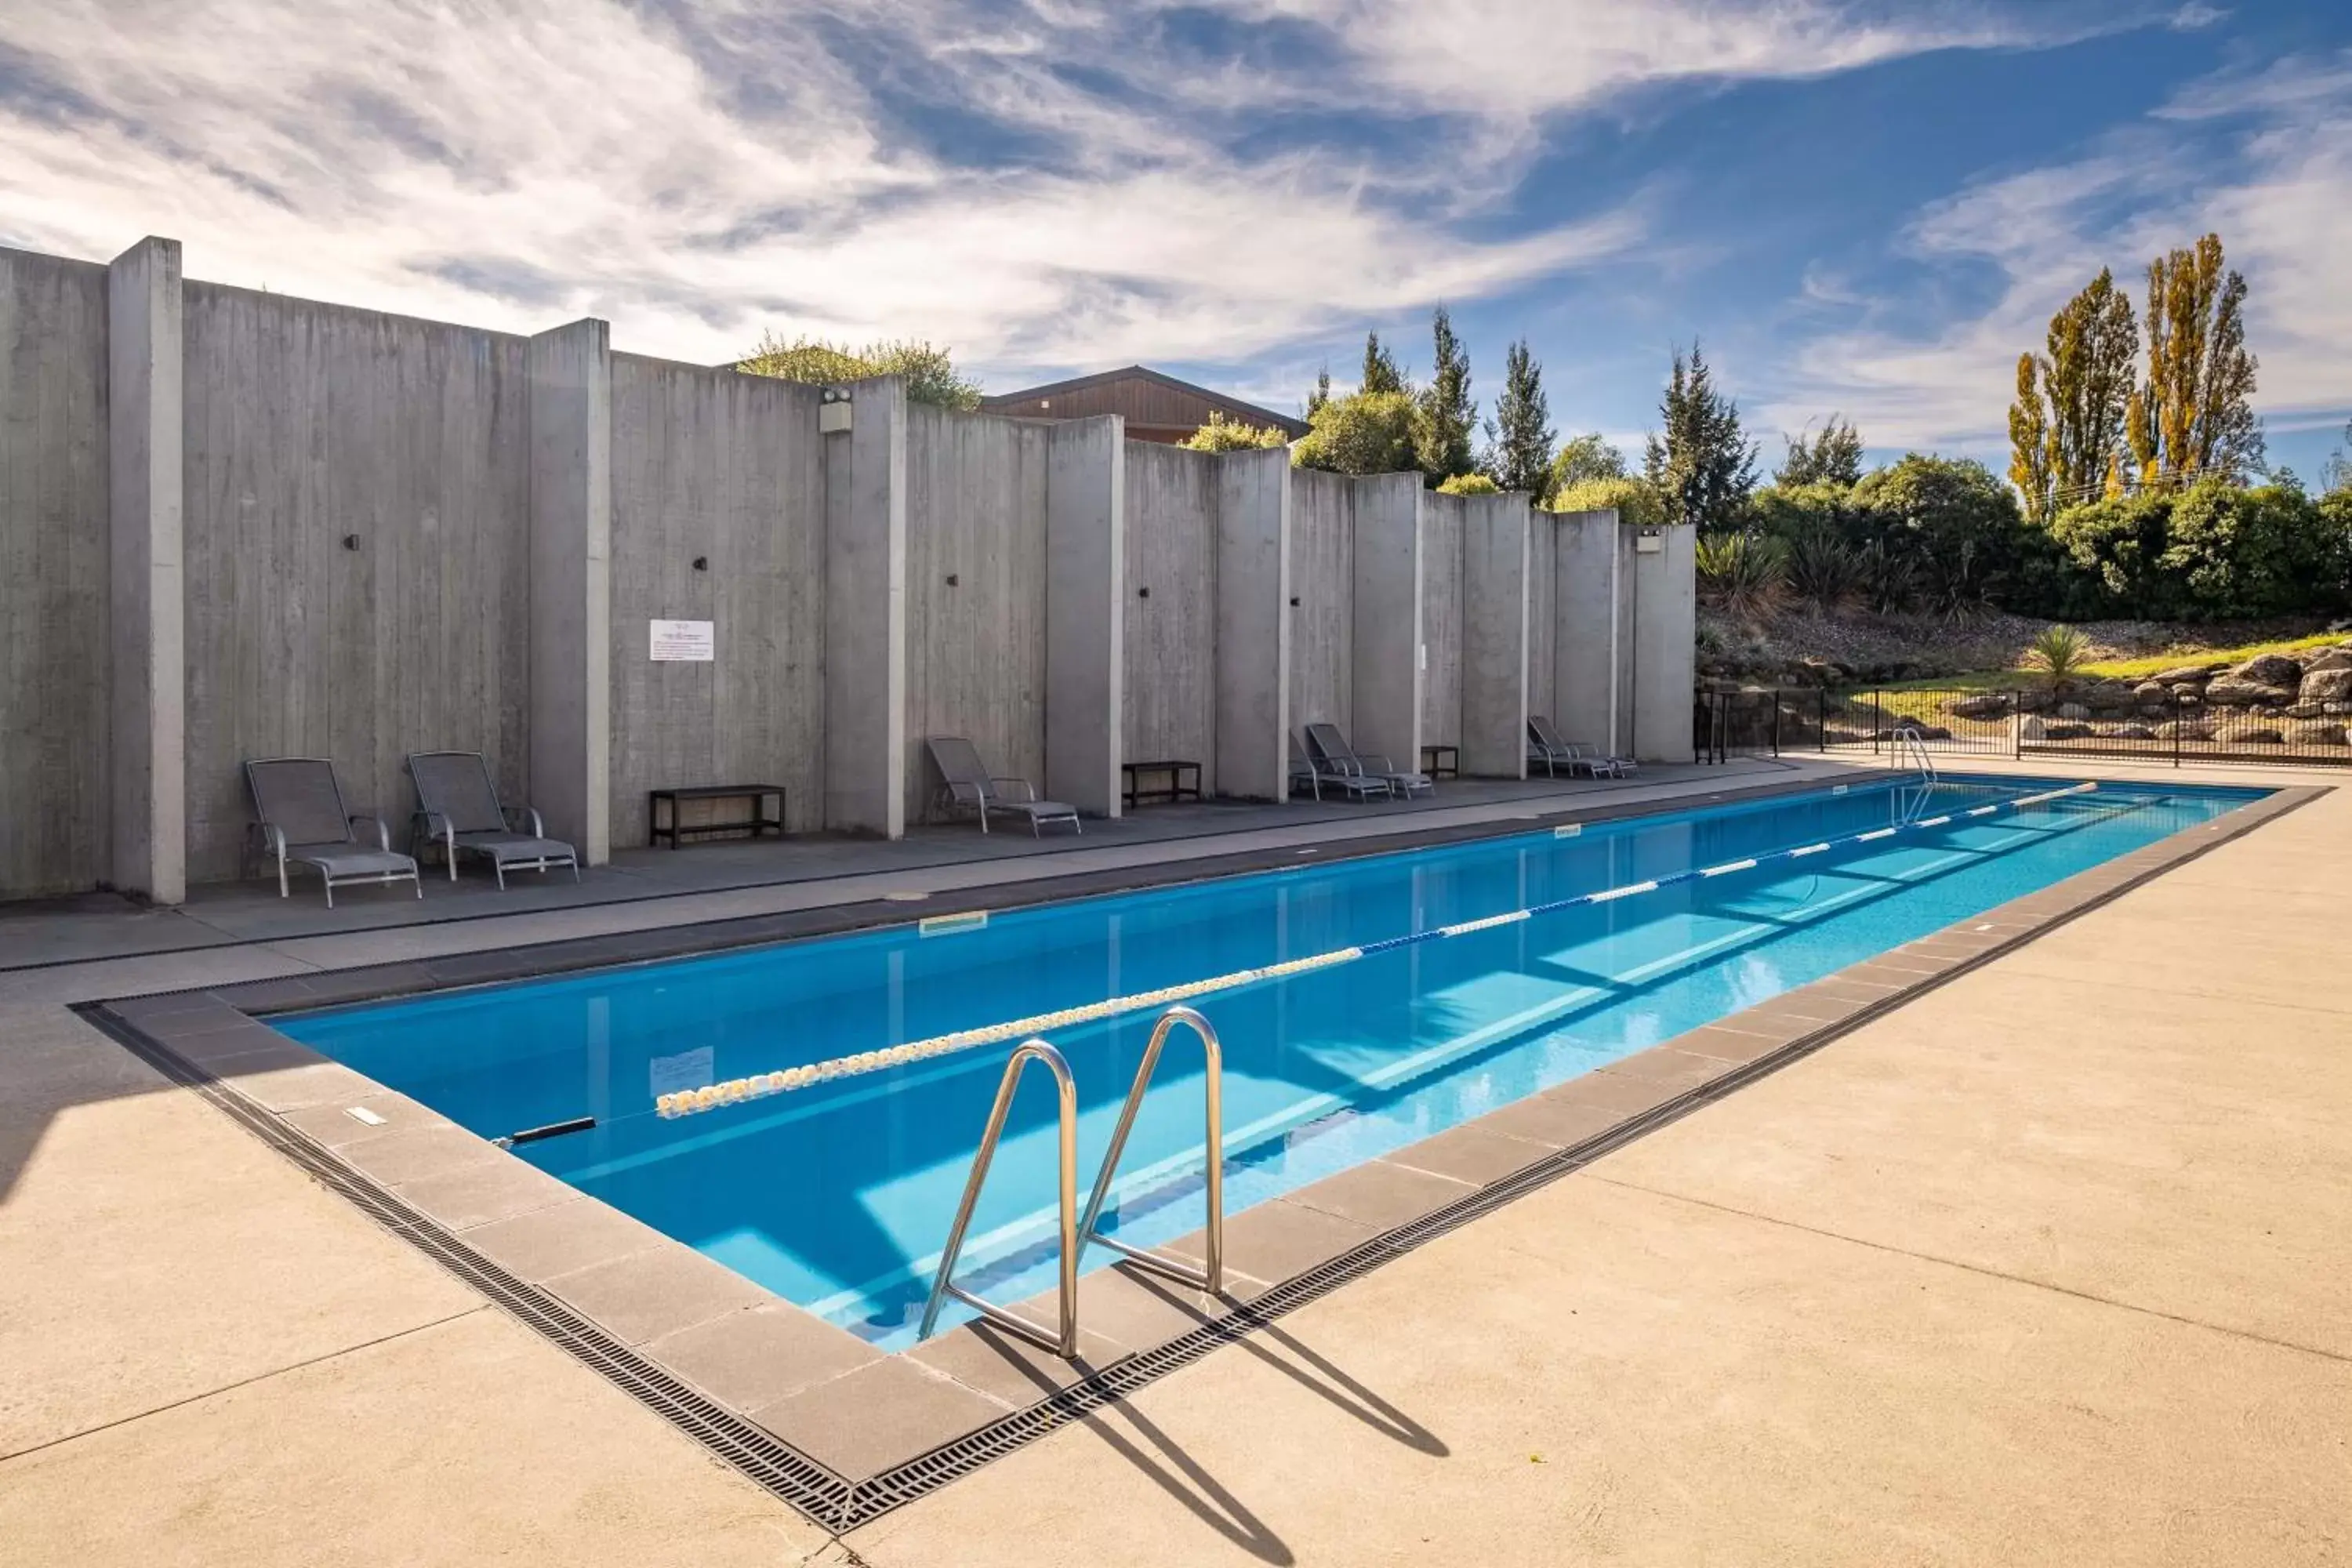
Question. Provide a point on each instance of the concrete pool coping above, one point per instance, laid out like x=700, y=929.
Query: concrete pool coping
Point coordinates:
x=864, y=1431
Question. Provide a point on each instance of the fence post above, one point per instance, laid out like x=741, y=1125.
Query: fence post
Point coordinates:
x=1878, y=718
x=1776, y=721
x=1822, y=719
x=2017, y=726
x=2175, y=691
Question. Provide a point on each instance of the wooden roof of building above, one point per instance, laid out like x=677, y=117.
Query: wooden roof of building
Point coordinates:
x=1158, y=407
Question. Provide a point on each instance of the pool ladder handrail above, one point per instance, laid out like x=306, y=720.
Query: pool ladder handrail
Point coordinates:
x=1064, y=1341
x=1909, y=742
x=1210, y=1275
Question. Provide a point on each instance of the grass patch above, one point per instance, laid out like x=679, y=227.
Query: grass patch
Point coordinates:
x=2138, y=669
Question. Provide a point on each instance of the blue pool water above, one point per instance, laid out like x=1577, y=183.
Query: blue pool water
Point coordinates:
x=838, y=1196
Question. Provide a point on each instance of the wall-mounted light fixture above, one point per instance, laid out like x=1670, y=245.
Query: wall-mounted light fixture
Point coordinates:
x=832, y=412
x=351, y=542
x=702, y=563
x=1293, y=601
x=1143, y=592
x=951, y=579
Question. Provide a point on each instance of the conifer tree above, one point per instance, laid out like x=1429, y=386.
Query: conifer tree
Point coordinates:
x=1703, y=467
x=1380, y=373
x=1447, y=416
x=1519, y=437
x=1833, y=456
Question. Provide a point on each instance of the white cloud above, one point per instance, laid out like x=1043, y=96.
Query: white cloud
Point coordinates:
x=2276, y=184
x=699, y=174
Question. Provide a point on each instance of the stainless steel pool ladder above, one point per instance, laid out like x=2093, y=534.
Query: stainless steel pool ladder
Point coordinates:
x=1076, y=1235
x=1064, y=1341
x=1210, y=1275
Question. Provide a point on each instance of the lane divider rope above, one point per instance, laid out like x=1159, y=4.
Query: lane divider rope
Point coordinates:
x=759, y=1085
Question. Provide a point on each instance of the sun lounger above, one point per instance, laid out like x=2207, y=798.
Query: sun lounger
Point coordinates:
x=1547, y=750
x=967, y=786
x=303, y=823
x=1333, y=756
x=457, y=808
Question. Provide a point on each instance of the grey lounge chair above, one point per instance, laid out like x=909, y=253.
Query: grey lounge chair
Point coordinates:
x=303, y=823
x=457, y=807
x=1333, y=756
x=1545, y=747
x=967, y=786
x=1348, y=780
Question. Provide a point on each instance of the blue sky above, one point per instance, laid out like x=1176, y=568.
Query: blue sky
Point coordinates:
x=1859, y=206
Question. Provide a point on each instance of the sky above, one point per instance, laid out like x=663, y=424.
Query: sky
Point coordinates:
x=1857, y=206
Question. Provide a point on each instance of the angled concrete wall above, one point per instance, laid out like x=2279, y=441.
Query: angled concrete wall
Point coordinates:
x=1322, y=599
x=55, y=543
x=975, y=593
x=1591, y=590
x=1662, y=641
x=1543, y=598
x=1170, y=710
x=357, y=552
x=570, y=724
x=1085, y=611
x=866, y=613
x=1384, y=709
x=147, y=615
x=1255, y=622
x=1494, y=621
x=718, y=516
x=1442, y=523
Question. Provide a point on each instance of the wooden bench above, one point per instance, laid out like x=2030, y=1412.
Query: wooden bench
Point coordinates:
x=757, y=822
x=1442, y=761
x=1176, y=788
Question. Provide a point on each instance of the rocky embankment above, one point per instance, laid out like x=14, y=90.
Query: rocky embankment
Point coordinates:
x=2273, y=699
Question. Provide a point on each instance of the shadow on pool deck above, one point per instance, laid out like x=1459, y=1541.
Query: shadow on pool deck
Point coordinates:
x=90, y=926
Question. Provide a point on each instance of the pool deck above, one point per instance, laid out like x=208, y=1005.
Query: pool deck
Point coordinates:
x=2025, y=1270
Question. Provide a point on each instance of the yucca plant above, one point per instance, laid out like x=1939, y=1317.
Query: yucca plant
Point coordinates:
x=1889, y=583
x=1824, y=571
x=1745, y=575
x=2060, y=653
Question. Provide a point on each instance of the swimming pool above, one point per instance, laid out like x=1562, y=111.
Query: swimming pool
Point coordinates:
x=838, y=1195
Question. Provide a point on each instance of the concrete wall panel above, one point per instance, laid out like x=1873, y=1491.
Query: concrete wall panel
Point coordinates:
x=1444, y=520
x=1170, y=601
x=1085, y=612
x=54, y=548
x=570, y=722
x=1385, y=703
x=729, y=469
x=866, y=613
x=1494, y=638
x=1255, y=622
x=1323, y=531
x=308, y=426
x=1543, y=598
x=1591, y=588
x=1662, y=638
x=975, y=645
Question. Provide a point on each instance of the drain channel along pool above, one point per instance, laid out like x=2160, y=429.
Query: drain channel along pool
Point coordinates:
x=837, y=1194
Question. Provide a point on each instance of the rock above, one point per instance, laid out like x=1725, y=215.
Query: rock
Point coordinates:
x=2131, y=732
x=2073, y=711
x=2034, y=702
x=2247, y=735
x=2109, y=694
x=2316, y=735
x=2230, y=692
x=2269, y=669
x=2066, y=732
x=2329, y=659
x=2187, y=697
x=2330, y=685
x=1993, y=705
x=2175, y=730
x=2032, y=727
x=2304, y=710
x=2152, y=691
x=1925, y=732
x=2184, y=673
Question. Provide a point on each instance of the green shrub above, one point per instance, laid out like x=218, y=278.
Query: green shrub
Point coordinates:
x=2060, y=652
x=1742, y=574
x=1956, y=526
x=1634, y=500
x=1223, y=434
x=930, y=371
x=1367, y=432
x=1825, y=571
x=1469, y=485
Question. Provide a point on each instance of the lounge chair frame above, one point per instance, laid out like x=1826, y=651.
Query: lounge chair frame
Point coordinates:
x=294, y=832
x=1335, y=758
x=967, y=786
x=461, y=819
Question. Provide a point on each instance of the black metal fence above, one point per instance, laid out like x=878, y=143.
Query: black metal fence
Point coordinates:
x=2173, y=725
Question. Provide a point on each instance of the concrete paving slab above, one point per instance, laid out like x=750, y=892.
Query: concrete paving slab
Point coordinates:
x=1596, y=1373
x=459, y=1444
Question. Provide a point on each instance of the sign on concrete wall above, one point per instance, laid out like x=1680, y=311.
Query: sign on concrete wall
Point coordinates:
x=683, y=642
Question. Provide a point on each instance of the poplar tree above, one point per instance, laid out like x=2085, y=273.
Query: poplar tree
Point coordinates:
x=1703, y=467
x=2194, y=418
x=1442, y=440
x=1519, y=437
x=2073, y=400
x=1322, y=393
